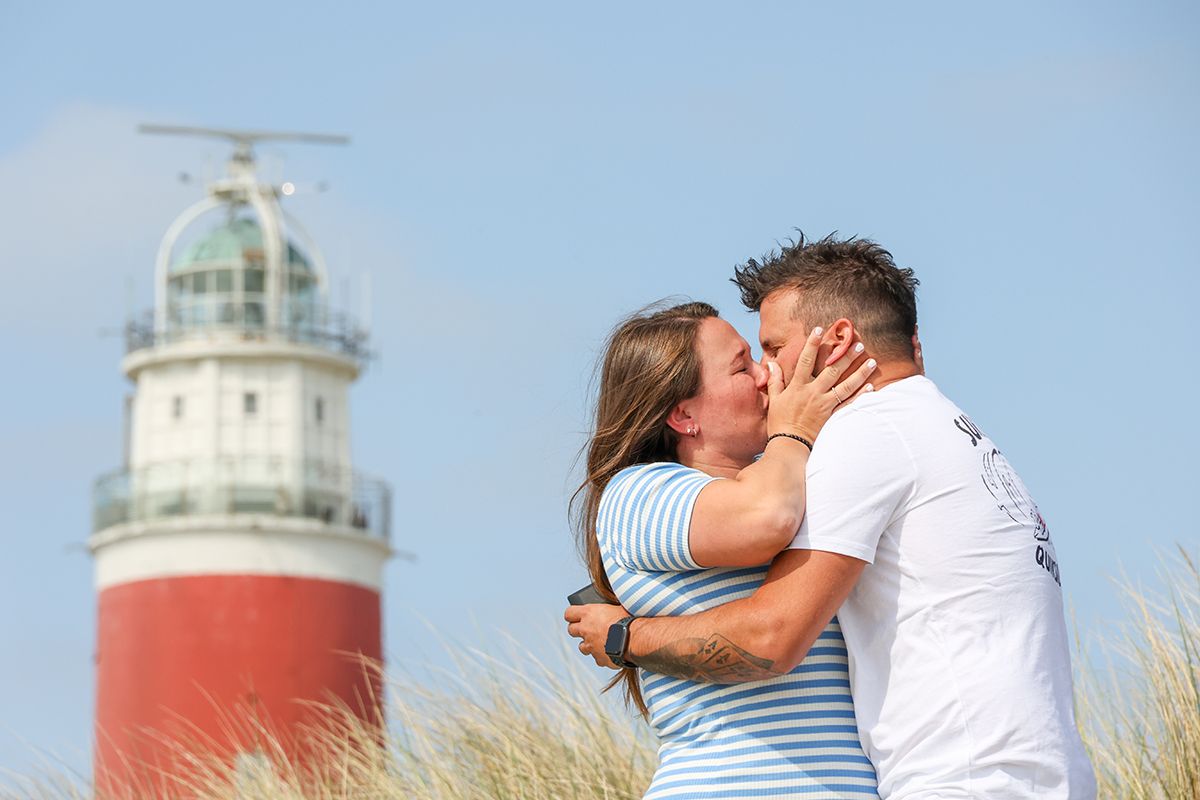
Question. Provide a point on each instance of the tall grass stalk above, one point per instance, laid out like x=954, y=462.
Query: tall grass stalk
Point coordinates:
x=1140, y=714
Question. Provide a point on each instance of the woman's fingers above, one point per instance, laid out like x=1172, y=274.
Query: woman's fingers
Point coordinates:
x=866, y=387
x=808, y=357
x=774, y=379
x=806, y=404
x=855, y=383
x=830, y=376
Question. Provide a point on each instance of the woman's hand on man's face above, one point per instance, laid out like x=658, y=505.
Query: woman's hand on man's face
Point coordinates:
x=590, y=624
x=804, y=404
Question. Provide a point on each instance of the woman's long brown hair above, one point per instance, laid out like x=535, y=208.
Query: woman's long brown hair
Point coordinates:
x=649, y=366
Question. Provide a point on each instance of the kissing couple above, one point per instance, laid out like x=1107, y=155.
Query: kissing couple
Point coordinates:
x=823, y=579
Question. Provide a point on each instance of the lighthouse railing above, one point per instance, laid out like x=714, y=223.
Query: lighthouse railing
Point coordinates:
x=310, y=489
x=327, y=329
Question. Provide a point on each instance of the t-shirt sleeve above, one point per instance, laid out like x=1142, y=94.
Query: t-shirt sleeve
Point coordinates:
x=644, y=516
x=860, y=474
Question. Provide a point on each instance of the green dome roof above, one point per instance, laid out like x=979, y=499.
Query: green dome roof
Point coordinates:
x=239, y=240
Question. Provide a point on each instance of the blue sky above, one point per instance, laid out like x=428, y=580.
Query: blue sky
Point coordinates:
x=523, y=175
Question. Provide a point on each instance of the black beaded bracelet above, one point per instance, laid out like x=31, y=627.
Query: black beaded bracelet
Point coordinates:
x=799, y=439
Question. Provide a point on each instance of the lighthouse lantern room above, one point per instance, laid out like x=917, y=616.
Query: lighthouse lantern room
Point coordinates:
x=238, y=554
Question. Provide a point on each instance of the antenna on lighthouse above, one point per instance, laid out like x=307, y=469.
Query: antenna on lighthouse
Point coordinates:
x=245, y=139
x=242, y=162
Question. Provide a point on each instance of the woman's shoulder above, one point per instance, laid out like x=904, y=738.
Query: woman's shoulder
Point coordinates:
x=638, y=486
x=650, y=475
x=644, y=514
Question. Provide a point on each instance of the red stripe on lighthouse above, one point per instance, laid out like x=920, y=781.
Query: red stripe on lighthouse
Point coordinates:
x=206, y=648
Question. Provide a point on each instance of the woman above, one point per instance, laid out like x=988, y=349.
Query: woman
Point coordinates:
x=681, y=405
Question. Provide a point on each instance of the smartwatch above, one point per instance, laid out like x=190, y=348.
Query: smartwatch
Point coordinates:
x=618, y=642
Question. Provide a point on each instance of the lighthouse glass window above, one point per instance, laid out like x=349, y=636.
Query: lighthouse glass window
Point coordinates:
x=253, y=296
x=236, y=298
x=254, y=281
x=221, y=297
x=300, y=300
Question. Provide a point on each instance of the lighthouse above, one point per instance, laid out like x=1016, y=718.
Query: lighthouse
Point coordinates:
x=238, y=553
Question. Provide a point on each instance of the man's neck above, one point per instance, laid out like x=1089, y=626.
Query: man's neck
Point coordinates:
x=887, y=372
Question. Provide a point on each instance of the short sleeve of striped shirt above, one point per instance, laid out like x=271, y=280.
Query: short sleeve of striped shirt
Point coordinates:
x=644, y=515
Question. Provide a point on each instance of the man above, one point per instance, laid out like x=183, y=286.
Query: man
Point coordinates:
x=920, y=536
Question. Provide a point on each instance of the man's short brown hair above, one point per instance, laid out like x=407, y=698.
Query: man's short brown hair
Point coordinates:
x=852, y=278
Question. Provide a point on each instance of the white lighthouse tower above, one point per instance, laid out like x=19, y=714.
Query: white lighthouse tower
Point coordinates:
x=238, y=553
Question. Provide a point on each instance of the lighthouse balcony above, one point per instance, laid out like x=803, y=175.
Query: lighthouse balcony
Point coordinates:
x=229, y=322
x=313, y=490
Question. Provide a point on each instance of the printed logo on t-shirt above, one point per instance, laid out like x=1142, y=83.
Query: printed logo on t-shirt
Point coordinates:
x=964, y=424
x=1011, y=496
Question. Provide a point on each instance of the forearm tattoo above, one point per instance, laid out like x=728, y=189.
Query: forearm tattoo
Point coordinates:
x=711, y=660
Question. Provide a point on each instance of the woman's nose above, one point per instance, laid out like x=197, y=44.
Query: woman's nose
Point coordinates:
x=760, y=376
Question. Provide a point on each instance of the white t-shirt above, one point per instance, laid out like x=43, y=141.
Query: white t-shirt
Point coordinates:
x=959, y=663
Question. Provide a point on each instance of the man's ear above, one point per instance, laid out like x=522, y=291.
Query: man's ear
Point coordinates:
x=679, y=420
x=841, y=336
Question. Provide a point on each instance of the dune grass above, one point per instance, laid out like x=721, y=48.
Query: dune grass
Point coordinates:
x=1140, y=712
x=506, y=727
x=490, y=727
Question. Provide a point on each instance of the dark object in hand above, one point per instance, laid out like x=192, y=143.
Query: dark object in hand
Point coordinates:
x=587, y=596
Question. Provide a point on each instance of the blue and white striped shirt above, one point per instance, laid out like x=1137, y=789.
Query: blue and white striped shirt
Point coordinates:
x=788, y=737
